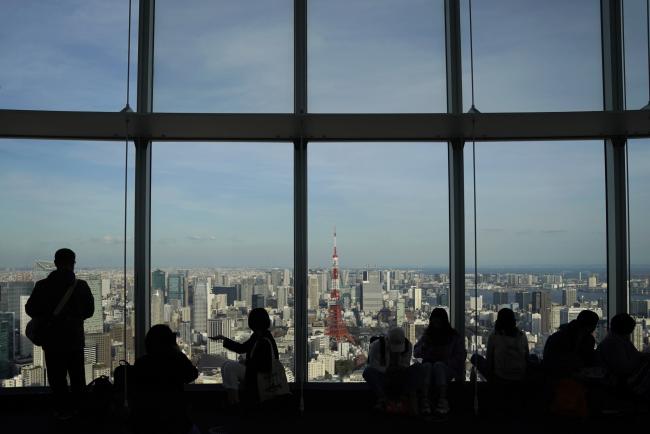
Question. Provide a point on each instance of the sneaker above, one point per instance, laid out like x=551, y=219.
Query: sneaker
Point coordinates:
x=443, y=406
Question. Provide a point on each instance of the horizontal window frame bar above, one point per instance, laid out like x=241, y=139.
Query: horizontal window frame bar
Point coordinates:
x=324, y=127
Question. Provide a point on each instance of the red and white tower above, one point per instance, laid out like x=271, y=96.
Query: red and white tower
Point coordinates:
x=336, y=328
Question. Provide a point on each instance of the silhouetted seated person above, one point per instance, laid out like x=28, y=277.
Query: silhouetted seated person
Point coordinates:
x=570, y=361
x=390, y=374
x=571, y=351
x=442, y=351
x=64, y=346
x=507, y=351
x=160, y=376
x=626, y=366
x=260, y=348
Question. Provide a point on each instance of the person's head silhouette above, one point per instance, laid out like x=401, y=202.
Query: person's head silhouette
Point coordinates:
x=622, y=324
x=258, y=320
x=64, y=259
x=588, y=320
x=160, y=339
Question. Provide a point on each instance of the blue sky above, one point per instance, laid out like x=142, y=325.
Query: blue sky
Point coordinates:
x=230, y=204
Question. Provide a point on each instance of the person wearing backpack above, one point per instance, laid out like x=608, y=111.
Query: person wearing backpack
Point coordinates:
x=60, y=303
x=390, y=374
x=261, y=356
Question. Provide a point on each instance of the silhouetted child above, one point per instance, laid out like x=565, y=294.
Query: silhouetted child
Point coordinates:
x=160, y=376
x=443, y=354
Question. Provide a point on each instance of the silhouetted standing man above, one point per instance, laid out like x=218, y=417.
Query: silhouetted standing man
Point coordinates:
x=64, y=347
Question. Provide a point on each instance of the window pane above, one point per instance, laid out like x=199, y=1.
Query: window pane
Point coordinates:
x=532, y=55
x=376, y=56
x=639, y=178
x=66, y=55
x=541, y=236
x=224, y=56
x=64, y=194
x=388, y=203
x=636, y=54
x=221, y=244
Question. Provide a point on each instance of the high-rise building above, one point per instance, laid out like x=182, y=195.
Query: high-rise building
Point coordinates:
x=282, y=295
x=101, y=343
x=157, y=307
x=569, y=297
x=637, y=336
x=7, y=335
x=409, y=332
x=417, y=297
x=200, y=304
x=593, y=281
x=536, y=323
x=640, y=308
x=542, y=306
x=219, y=326
x=258, y=301
x=524, y=299
x=229, y=291
x=94, y=324
x=10, y=293
x=313, y=297
x=158, y=281
x=499, y=298
x=401, y=311
x=176, y=289
x=25, y=344
x=372, y=298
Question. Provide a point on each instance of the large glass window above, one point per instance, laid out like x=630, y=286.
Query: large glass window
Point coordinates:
x=636, y=54
x=222, y=244
x=388, y=205
x=639, y=179
x=65, y=55
x=224, y=56
x=376, y=56
x=532, y=55
x=64, y=194
x=541, y=237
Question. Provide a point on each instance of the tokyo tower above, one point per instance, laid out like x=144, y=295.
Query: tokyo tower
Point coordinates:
x=336, y=328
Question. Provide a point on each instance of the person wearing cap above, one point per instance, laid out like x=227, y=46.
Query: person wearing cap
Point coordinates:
x=64, y=347
x=389, y=372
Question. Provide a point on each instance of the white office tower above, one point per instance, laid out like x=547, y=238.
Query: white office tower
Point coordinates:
x=200, y=305
x=372, y=297
x=218, y=326
x=157, y=308
x=637, y=336
x=569, y=296
x=94, y=324
x=536, y=321
x=282, y=296
x=313, y=297
x=474, y=303
x=417, y=296
x=106, y=287
x=26, y=345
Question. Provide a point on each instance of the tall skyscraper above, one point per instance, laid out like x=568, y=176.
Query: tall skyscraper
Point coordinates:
x=229, y=291
x=313, y=297
x=569, y=296
x=158, y=281
x=499, y=298
x=372, y=298
x=282, y=294
x=176, y=289
x=10, y=293
x=524, y=299
x=25, y=344
x=94, y=324
x=401, y=311
x=157, y=307
x=417, y=297
x=542, y=306
x=7, y=335
x=200, y=304
x=258, y=301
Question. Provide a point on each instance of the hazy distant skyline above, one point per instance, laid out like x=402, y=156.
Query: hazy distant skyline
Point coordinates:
x=231, y=204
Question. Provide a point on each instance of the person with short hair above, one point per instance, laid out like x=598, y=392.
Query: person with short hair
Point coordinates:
x=64, y=346
x=260, y=348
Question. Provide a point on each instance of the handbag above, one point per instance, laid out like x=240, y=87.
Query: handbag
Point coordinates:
x=272, y=384
x=37, y=330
